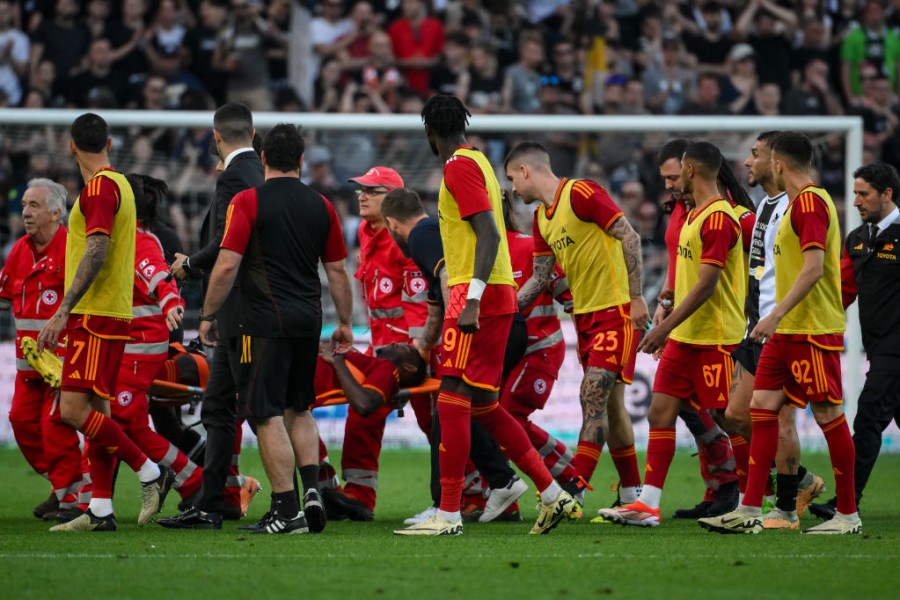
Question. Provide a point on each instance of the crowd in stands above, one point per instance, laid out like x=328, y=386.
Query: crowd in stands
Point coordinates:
x=611, y=57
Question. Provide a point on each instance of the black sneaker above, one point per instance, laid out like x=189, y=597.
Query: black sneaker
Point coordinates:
x=277, y=524
x=353, y=508
x=49, y=505
x=314, y=510
x=88, y=522
x=824, y=511
x=193, y=518
x=259, y=524
x=333, y=511
x=726, y=500
x=698, y=512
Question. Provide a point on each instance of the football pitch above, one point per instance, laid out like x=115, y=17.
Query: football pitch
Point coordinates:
x=494, y=560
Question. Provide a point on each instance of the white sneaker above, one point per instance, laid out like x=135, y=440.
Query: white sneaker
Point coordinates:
x=422, y=516
x=781, y=519
x=435, y=525
x=737, y=521
x=839, y=525
x=501, y=499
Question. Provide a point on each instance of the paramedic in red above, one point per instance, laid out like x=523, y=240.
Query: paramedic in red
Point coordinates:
x=275, y=236
x=395, y=294
x=31, y=286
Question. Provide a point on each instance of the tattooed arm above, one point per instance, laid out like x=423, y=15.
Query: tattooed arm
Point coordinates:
x=88, y=268
x=634, y=265
x=539, y=280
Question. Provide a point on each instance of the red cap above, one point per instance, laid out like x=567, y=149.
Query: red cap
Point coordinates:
x=380, y=176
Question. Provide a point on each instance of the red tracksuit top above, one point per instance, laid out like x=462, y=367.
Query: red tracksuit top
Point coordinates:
x=541, y=317
x=32, y=285
x=394, y=290
x=153, y=298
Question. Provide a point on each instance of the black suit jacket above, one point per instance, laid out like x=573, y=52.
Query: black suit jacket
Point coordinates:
x=244, y=171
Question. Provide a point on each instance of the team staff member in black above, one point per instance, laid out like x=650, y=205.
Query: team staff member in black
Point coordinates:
x=233, y=133
x=870, y=271
x=275, y=236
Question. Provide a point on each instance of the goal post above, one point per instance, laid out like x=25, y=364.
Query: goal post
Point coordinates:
x=850, y=128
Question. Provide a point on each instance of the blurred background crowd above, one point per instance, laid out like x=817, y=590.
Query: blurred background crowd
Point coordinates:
x=610, y=57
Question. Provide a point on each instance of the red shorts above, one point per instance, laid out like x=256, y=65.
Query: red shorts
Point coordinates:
x=527, y=387
x=608, y=340
x=93, y=352
x=805, y=370
x=134, y=379
x=700, y=374
x=476, y=358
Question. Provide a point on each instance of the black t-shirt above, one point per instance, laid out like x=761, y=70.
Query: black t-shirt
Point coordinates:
x=63, y=46
x=282, y=228
x=78, y=88
x=773, y=59
x=425, y=248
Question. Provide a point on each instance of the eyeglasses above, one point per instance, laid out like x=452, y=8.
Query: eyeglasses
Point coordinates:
x=370, y=192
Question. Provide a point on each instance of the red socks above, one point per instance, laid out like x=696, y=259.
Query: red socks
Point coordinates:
x=106, y=434
x=626, y=464
x=741, y=450
x=763, y=447
x=843, y=455
x=512, y=440
x=660, y=452
x=456, y=440
x=585, y=462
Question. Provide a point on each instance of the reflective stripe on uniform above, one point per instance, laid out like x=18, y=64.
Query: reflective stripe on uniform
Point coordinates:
x=386, y=313
x=416, y=332
x=156, y=279
x=147, y=310
x=22, y=365
x=31, y=324
x=184, y=474
x=165, y=300
x=551, y=340
x=543, y=310
x=420, y=297
x=147, y=348
x=361, y=477
x=171, y=455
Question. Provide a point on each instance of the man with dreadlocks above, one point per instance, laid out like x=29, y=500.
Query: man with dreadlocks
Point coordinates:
x=477, y=323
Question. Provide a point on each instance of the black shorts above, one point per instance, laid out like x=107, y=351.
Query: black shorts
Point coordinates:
x=747, y=354
x=273, y=374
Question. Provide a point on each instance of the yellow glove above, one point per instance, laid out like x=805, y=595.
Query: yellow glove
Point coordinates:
x=46, y=363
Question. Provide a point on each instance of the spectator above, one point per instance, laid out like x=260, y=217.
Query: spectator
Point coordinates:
x=331, y=32
x=97, y=18
x=569, y=77
x=814, y=45
x=14, y=49
x=481, y=86
x=812, y=15
x=522, y=81
x=201, y=46
x=127, y=37
x=241, y=53
x=633, y=98
x=357, y=51
x=769, y=29
x=708, y=40
x=870, y=43
x=813, y=95
x=381, y=74
x=279, y=16
x=455, y=61
x=63, y=41
x=418, y=41
x=766, y=101
x=739, y=86
x=668, y=84
x=877, y=106
x=168, y=30
x=98, y=73
x=461, y=12
x=327, y=87
x=708, y=98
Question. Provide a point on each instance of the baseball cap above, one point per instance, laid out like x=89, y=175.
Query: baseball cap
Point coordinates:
x=741, y=51
x=383, y=176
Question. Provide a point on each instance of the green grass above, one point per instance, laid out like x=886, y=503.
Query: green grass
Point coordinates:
x=350, y=560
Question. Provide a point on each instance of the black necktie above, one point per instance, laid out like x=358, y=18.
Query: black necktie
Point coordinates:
x=873, y=233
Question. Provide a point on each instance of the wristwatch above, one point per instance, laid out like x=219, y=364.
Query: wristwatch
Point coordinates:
x=186, y=265
x=207, y=317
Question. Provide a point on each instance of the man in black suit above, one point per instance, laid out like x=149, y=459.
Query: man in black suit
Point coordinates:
x=233, y=132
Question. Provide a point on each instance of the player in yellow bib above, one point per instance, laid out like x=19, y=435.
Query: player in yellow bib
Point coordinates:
x=802, y=337
x=577, y=224
x=479, y=314
x=705, y=326
x=96, y=315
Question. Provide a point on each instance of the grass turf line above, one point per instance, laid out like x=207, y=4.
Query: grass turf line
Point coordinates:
x=676, y=560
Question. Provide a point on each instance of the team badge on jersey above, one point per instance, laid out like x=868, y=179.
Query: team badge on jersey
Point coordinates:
x=385, y=285
x=124, y=398
x=49, y=297
x=540, y=386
